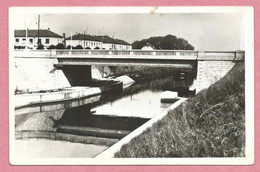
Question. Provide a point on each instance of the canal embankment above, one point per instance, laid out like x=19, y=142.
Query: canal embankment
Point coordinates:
x=101, y=120
x=211, y=124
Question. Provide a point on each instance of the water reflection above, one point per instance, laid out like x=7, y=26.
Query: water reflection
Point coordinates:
x=101, y=119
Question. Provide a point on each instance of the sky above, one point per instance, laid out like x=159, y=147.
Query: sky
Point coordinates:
x=205, y=31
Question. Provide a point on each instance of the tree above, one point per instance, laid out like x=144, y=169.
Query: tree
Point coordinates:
x=168, y=42
x=78, y=47
x=60, y=46
x=68, y=47
x=40, y=47
x=52, y=47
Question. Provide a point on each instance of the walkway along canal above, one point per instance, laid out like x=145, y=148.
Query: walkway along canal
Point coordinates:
x=97, y=122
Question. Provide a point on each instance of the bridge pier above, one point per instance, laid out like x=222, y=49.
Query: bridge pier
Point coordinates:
x=77, y=75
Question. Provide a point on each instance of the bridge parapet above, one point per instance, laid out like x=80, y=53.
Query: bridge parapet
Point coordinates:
x=221, y=55
x=178, y=54
x=129, y=52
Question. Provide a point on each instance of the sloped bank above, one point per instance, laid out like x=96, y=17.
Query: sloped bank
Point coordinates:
x=211, y=124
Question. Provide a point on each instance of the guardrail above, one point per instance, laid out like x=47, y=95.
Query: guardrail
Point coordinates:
x=199, y=55
x=129, y=52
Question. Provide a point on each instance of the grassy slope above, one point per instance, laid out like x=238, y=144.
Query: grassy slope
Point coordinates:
x=211, y=124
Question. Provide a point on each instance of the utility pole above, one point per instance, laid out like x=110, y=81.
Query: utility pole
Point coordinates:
x=70, y=40
x=26, y=35
x=38, y=30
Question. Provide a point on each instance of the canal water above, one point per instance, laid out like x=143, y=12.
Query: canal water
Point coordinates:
x=92, y=124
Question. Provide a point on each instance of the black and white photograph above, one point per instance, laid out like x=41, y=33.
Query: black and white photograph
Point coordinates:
x=131, y=85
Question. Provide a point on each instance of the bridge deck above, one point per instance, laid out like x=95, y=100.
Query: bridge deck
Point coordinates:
x=164, y=58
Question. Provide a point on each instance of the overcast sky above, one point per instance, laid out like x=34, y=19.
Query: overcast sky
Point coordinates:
x=215, y=31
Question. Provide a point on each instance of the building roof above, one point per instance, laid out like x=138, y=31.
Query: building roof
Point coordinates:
x=83, y=37
x=106, y=39
x=122, y=42
x=109, y=40
x=34, y=33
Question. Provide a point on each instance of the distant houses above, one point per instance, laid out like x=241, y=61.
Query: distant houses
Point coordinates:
x=114, y=44
x=49, y=39
x=46, y=38
x=97, y=42
x=83, y=40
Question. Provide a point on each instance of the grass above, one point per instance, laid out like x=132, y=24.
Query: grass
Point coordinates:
x=211, y=124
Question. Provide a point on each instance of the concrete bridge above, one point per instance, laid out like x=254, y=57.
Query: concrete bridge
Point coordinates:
x=76, y=64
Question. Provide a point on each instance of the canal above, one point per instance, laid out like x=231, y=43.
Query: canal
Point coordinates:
x=86, y=127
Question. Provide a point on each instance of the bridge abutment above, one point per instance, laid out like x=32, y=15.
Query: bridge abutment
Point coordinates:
x=209, y=72
x=212, y=66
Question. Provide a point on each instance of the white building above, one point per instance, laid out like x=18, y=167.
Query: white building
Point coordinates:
x=45, y=36
x=148, y=46
x=86, y=41
x=123, y=45
x=113, y=44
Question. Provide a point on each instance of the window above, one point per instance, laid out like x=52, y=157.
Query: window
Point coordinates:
x=39, y=41
x=47, y=41
x=31, y=41
x=17, y=40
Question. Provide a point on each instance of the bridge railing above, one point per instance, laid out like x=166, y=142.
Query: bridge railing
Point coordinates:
x=199, y=55
x=225, y=55
x=129, y=52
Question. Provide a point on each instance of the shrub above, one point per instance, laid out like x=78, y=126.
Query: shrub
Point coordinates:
x=69, y=46
x=78, y=47
x=60, y=46
x=40, y=47
x=52, y=47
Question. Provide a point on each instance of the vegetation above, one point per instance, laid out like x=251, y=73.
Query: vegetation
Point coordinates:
x=78, y=47
x=168, y=42
x=40, y=47
x=52, y=47
x=139, y=73
x=211, y=124
x=60, y=46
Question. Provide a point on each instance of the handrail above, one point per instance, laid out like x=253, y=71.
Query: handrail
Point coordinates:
x=54, y=53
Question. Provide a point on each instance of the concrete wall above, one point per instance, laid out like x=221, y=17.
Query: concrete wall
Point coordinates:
x=33, y=74
x=209, y=72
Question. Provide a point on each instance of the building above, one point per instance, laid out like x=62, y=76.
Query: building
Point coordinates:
x=84, y=40
x=148, y=46
x=123, y=45
x=113, y=44
x=46, y=38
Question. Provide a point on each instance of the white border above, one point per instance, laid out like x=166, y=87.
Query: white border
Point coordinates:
x=249, y=86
